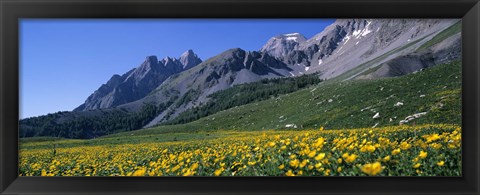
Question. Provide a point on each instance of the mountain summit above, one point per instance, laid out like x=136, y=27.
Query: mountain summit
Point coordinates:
x=282, y=45
x=189, y=59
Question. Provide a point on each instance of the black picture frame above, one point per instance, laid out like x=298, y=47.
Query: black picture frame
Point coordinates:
x=12, y=10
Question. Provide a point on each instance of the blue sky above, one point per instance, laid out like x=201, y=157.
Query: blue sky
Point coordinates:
x=63, y=61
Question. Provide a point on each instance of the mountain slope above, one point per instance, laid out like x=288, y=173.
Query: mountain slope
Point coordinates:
x=138, y=82
x=445, y=47
x=239, y=95
x=347, y=43
x=234, y=66
x=335, y=45
x=348, y=49
x=350, y=104
x=339, y=50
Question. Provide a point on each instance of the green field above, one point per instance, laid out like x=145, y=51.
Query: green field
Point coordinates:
x=334, y=136
x=425, y=150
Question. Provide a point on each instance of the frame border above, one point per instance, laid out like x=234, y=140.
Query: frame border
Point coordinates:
x=12, y=10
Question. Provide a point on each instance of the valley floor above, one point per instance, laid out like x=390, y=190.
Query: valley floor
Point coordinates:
x=423, y=150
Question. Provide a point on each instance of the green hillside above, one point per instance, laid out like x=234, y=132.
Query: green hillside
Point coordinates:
x=348, y=104
x=238, y=95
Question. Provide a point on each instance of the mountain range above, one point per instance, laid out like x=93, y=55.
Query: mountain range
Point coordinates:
x=138, y=82
x=348, y=49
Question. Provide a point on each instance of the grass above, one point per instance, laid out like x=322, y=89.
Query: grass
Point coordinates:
x=427, y=150
x=40, y=139
x=436, y=90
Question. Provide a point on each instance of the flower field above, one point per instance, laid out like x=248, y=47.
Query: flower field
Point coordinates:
x=424, y=150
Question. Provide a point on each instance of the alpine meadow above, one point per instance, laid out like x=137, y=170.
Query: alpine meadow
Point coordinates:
x=355, y=97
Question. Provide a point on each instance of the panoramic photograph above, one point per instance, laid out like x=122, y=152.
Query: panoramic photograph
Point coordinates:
x=240, y=97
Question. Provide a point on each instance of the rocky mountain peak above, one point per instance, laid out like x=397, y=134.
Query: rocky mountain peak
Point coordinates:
x=188, y=53
x=138, y=82
x=281, y=45
x=151, y=59
x=189, y=59
x=297, y=37
x=150, y=63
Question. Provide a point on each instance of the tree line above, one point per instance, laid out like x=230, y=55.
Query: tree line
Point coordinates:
x=244, y=94
x=67, y=125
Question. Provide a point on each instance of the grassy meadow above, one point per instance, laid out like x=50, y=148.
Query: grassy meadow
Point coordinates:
x=425, y=150
x=336, y=134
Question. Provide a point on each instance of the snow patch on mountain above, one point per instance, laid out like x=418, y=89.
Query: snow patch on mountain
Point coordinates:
x=292, y=34
x=292, y=38
x=345, y=40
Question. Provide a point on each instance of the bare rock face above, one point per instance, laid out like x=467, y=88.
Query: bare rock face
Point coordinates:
x=138, y=82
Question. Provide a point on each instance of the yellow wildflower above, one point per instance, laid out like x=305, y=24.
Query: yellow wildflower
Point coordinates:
x=351, y=158
x=372, y=168
x=417, y=165
x=289, y=173
x=386, y=158
x=44, y=173
x=423, y=154
x=396, y=151
x=327, y=172
x=194, y=166
x=320, y=156
x=218, y=172
x=303, y=163
x=312, y=154
x=271, y=144
x=140, y=172
x=188, y=173
x=405, y=146
x=294, y=163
